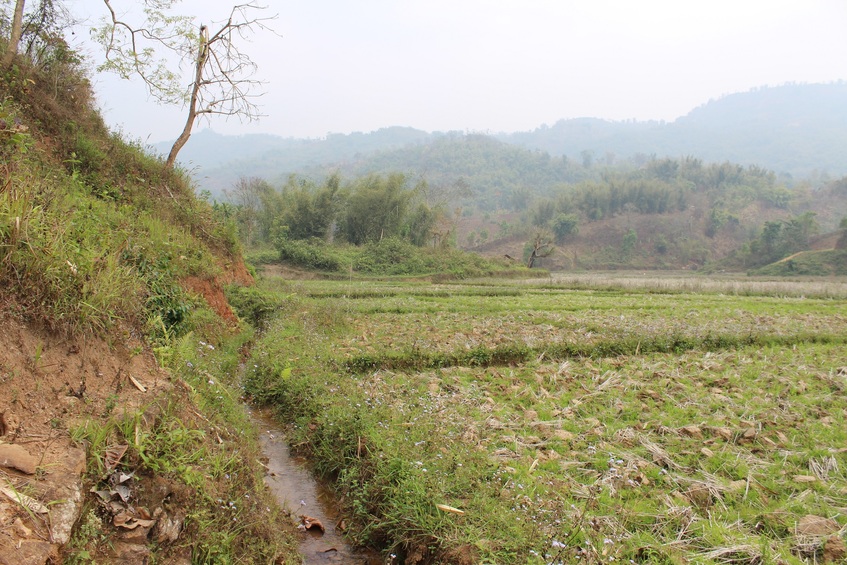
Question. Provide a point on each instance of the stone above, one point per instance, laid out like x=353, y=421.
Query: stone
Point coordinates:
x=167, y=528
x=725, y=433
x=834, y=550
x=811, y=525
x=130, y=553
x=67, y=506
x=16, y=457
x=27, y=552
x=691, y=431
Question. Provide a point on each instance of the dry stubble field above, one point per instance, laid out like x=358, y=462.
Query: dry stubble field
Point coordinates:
x=588, y=419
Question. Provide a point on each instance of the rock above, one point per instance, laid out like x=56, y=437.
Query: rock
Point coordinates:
x=691, y=431
x=66, y=509
x=725, y=433
x=834, y=550
x=167, y=528
x=811, y=525
x=563, y=435
x=27, y=552
x=20, y=529
x=16, y=457
x=130, y=554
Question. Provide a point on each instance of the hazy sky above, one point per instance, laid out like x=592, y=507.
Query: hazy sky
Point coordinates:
x=490, y=65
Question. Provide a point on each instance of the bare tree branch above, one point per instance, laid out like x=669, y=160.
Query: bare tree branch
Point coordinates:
x=222, y=81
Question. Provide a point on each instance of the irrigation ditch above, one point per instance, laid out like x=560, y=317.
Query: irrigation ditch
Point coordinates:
x=292, y=483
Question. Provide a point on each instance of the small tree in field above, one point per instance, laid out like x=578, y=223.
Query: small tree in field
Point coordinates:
x=541, y=245
x=222, y=80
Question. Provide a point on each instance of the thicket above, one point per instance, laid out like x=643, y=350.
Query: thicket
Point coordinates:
x=377, y=225
x=392, y=256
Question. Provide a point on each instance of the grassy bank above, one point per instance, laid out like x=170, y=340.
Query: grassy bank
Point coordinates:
x=108, y=258
x=533, y=423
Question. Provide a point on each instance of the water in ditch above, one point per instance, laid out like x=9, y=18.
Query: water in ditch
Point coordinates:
x=293, y=485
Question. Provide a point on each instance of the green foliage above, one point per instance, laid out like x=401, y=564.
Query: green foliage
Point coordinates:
x=15, y=139
x=176, y=446
x=780, y=239
x=630, y=240
x=390, y=256
x=564, y=226
x=255, y=305
x=376, y=208
x=311, y=254
x=809, y=263
x=308, y=211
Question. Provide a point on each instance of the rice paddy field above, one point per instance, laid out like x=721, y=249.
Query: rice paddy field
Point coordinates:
x=593, y=419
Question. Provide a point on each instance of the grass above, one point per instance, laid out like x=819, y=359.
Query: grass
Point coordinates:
x=594, y=424
x=197, y=439
x=96, y=236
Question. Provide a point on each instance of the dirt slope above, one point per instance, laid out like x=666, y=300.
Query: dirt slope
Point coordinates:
x=48, y=384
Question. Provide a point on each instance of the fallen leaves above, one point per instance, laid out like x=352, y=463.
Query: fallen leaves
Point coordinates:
x=24, y=500
x=309, y=523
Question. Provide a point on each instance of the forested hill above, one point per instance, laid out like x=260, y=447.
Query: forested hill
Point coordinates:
x=793, y=129
x=798, y=130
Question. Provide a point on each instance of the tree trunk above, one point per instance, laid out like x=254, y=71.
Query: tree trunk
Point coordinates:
x=15, y=36
x=202, y=55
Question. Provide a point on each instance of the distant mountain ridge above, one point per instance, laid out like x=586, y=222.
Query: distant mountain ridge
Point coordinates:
x=795, y=129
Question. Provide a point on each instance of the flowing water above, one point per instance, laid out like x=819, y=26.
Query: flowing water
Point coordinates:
x=296, y=489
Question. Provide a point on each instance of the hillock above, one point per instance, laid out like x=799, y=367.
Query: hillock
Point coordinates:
x=118, y=431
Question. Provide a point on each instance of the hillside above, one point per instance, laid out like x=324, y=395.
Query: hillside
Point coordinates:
x=794, y=130
x=118, y=430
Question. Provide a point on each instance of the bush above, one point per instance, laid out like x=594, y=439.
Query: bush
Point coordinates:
x=309, y=254
x=254, y=305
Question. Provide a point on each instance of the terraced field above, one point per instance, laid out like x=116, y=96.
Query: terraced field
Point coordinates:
x=570, y=421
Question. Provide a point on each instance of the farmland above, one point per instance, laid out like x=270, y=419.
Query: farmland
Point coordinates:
x=597, y=419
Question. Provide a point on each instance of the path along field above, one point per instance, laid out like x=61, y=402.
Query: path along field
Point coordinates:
x=538, y=422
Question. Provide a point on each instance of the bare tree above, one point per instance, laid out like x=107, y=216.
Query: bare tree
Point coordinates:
x=15, y=35
x=222, y=80
x=541, y=245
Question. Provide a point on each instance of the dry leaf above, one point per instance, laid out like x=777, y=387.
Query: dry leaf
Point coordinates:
x=445, y=508
x=137, y=384
x=310, y=523
x=114, y=455
x=26, y=501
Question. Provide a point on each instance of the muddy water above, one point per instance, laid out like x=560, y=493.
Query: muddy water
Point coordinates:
x=297, y=491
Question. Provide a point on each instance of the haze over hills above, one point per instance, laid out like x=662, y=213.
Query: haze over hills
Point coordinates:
x=796, y=130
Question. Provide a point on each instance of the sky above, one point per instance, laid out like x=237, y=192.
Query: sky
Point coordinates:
x=336, y=66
